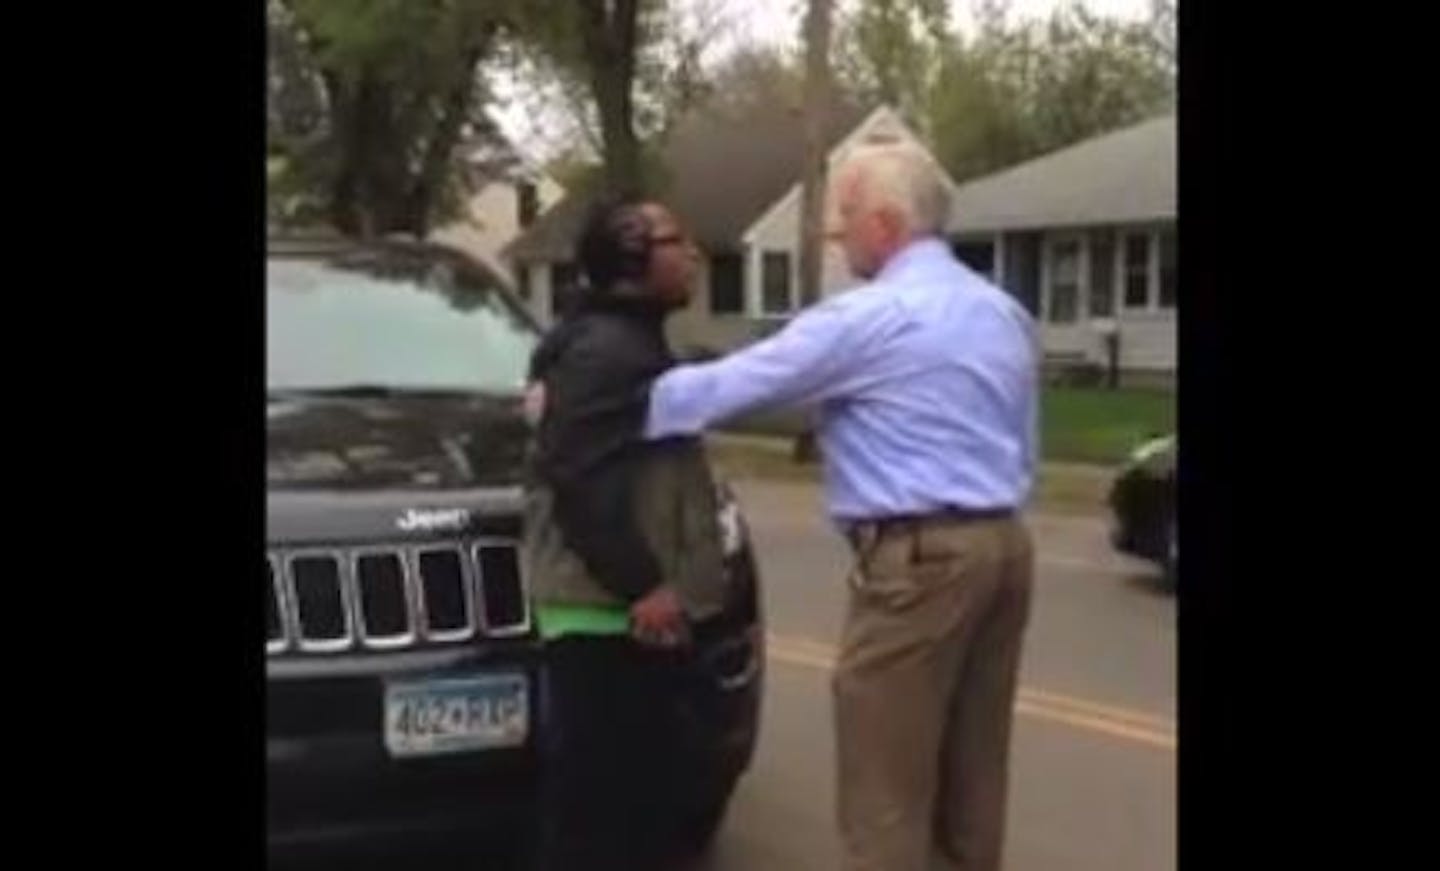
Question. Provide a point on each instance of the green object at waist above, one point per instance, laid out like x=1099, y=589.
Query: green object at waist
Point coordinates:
x=558, y=620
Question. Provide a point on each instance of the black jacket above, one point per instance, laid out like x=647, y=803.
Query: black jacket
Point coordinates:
x=597, y=366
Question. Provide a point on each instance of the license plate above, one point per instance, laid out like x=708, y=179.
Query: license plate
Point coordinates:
x=455, y=715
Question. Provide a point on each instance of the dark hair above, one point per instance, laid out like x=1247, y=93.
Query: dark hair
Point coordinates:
x=615, y=241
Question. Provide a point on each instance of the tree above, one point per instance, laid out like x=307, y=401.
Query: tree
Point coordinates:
x=1097, y=74
x=817, y=109
x=590, y=51
x=397, y=83
x=1162, y=32
x=675, y=71
x=296, y=116
x=295, y=104
x=977, y=119
x=1017, y=90
x=756, y=75
x=889, y=50
x=608, y=37
x=674, y=62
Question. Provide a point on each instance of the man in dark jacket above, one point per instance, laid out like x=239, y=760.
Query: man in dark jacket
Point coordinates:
x=622, y=549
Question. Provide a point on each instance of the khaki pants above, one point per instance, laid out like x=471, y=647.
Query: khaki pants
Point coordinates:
x=925, y=692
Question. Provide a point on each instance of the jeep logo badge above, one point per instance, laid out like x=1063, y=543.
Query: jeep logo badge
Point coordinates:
x=416, y=519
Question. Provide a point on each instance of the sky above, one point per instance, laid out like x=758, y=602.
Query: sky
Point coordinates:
x=772, y=22
x=778, y=21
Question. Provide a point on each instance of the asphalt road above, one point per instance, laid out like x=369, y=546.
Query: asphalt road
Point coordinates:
x=1093, y=783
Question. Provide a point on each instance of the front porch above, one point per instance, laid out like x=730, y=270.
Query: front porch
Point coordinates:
x=1084, y=283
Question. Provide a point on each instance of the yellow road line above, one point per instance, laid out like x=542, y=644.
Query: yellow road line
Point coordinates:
x=1145, y=728
x=1164, y=740
x=1086, y=706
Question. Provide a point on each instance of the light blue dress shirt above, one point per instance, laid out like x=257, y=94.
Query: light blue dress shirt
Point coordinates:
x=924, y=380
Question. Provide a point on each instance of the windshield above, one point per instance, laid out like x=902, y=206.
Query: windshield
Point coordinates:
x=392, y=321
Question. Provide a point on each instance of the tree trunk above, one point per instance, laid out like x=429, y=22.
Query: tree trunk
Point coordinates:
x=622, y=151
x=374, y=192
x=349, y=105
x=609, y=37
x=817, y=106
x=439, y=152
x=369, y=188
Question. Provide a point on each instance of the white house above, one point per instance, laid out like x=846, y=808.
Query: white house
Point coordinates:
x=735, y=183
x=1087, y=237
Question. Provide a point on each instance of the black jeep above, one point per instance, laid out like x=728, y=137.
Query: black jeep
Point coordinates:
x=404, y=677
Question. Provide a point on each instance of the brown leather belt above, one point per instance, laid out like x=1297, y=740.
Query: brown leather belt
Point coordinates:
x=863, y=533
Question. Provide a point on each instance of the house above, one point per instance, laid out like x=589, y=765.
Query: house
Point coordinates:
x=504, y=194
x=1087, y=238
x=735, y=183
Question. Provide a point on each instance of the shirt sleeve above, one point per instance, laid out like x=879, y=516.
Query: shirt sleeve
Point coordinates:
x=1030, y=426
x=817, y=356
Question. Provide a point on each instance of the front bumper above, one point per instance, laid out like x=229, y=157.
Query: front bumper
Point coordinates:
x=332, y=788
x=336, y=793
x=330, y=782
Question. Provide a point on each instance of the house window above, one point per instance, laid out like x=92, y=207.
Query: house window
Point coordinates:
x=775, y=284
x=1064, y=282
x=1102, y=274
x=1169, y=252
x=527, y=200
x=1137, y=270
x=1023, y=256
x=727, y=284
x=979, y=256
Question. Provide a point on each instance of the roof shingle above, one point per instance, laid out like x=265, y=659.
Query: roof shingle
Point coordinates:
x=1121, y=177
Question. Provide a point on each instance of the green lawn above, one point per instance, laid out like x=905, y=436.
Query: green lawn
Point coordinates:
x=1093, y=425
x=1077, y=425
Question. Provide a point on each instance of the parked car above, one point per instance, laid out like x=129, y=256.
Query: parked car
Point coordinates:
x=1143, y=502
x=401, y=660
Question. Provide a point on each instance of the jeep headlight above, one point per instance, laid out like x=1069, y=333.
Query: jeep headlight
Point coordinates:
x=1147, y=451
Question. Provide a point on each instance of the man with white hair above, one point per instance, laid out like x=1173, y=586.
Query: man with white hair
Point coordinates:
x=924, y=378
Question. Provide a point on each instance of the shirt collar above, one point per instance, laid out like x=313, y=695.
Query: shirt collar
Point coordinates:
x=926, y=249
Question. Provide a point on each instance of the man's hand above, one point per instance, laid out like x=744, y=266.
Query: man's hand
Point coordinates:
x=658, y=619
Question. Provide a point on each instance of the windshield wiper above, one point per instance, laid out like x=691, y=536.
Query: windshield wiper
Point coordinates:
x=367, y=391
x=345, y=391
